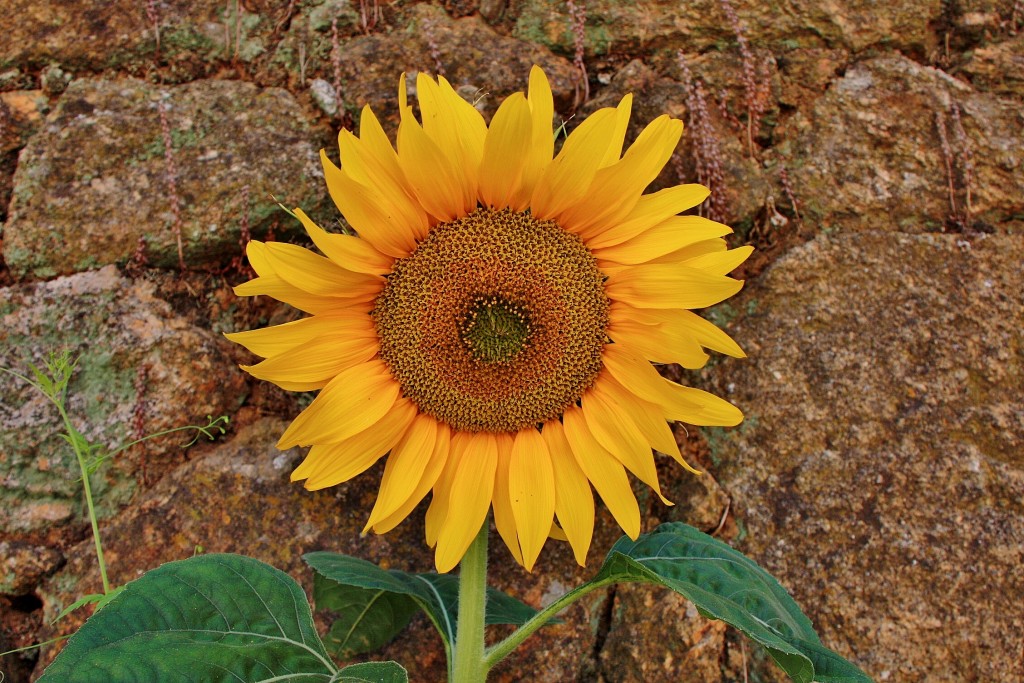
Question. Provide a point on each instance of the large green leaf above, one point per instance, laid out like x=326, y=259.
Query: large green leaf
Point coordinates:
x=725, y=584
x=435, y=594
x=373, y=672
x=209, y=618
x=364, y=619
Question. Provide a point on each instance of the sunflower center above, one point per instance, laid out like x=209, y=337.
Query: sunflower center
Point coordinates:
x=495, y=322
x=495, y=329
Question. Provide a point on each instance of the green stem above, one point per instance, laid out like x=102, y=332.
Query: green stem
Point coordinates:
x=204, y=431
x=469, y=635
x=87, y=488
x=499, y=651
x=35, y=645
x=58, y=401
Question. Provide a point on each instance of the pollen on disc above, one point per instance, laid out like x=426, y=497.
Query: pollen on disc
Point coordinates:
x=495, y=322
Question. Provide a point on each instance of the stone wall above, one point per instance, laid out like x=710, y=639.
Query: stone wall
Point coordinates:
x=879, y=473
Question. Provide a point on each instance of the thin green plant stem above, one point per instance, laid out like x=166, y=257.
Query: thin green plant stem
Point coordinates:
x=469, y=664
x=87, y=488
x=202, y=431
x=34, y=646
x=75, y=438
x=83, y=466
x=499, y=651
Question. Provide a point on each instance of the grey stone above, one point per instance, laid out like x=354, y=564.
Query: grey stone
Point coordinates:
x=190, y=35
x=323, y=94
x=869, y=155
x=998, y=68
x=479, y=62
x=617, y=27
x=141, y=369
x=23, y=566
x=96, y=178
x=879, y=474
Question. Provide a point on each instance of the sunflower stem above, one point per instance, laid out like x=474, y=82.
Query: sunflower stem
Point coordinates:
x=469, y=635
x=499, y=651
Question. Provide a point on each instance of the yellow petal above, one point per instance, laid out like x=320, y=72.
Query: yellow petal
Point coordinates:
x=655, y=429
x=542, y=145
x=531, y=483
x=504, y=517
x=372, y=135
x=682, y=327
x=618, y=132
x=604, y=472
x=256, y=252
x=348, y=251
x=350, y=403
x=342, y=461
x=313, y=364
x=721, y=262
x=640, y=376
x=567, y=179
x=649, y=211
x=272, y=341
x=614, y=427
x=367, y=212
x=692, y=251
x=669, y=286
x=440, y=123
x=670, y=235
x=574, y=502
x=405, y=468
x=437, y=512
x=505, y=152
x=707, y=334
x=403, y=97
x=437, y=183
x=648, y=419
x=714, y=411
x=276, y=288
x=617, y=189
x=438, y=459
x=470, y=494
x=388, y=182
x=472, y=131
x=318, y=275
x=675, y=401
x=655, y=344
x=556, y=532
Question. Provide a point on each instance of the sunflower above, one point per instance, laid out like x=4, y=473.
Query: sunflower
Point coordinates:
x=491, y=326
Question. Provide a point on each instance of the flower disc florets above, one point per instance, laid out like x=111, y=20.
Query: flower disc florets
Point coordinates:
x=495, y=322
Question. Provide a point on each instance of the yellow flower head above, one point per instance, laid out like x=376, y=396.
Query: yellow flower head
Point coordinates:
x=491, y=328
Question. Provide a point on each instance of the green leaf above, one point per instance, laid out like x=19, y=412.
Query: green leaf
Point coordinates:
x=830, y=667
x=435, y=594
x=373, y=672
x=365, y=619
x=100, y=599
x=207, y=618
x=104, y=599
x=80, y=602
x=725, y=584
